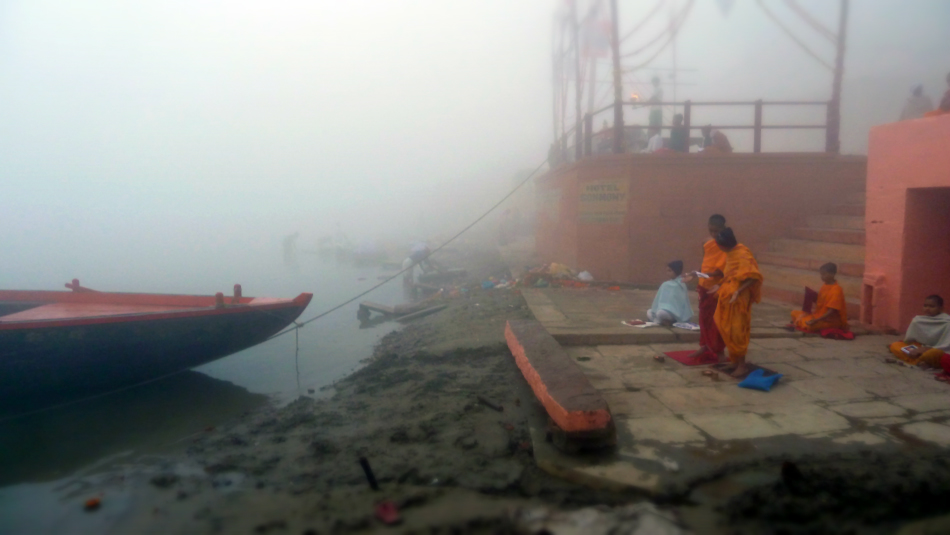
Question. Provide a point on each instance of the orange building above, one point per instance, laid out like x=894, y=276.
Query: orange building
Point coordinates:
x=908, y=220
x=622, y=217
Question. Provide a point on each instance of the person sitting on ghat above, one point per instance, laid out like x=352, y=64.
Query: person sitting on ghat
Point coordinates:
x=928, y=336
x=831, y=311
x=671, y=304
x=679, y=135
x=944, y=107
x=715, y=141
x=714, y=262
x=741, y=287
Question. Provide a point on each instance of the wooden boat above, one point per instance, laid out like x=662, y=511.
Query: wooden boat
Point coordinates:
x=84, y=341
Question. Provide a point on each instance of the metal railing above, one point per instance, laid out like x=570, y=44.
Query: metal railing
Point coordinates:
x=585, y=129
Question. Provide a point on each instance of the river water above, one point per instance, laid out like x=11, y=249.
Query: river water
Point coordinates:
x=42, y=452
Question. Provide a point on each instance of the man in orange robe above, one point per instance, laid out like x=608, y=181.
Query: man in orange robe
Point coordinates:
x=714, y=262
x=831, y=310
x=741, y=287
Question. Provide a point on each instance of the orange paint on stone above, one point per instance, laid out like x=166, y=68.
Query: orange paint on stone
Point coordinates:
x=558, y=383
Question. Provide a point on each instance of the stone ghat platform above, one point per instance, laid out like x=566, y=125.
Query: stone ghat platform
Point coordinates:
x=592, y=316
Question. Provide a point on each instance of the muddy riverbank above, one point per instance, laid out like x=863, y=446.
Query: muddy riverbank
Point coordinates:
x=441, y=413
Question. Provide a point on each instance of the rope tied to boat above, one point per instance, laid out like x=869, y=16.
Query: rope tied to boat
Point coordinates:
x=297, y=325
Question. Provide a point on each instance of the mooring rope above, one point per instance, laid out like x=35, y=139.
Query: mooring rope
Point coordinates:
x=297, y=325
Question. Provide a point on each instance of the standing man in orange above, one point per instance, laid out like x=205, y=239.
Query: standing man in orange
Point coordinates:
x=741, y=287
x=714, y=264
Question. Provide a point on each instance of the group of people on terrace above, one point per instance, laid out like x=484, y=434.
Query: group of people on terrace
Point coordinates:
x=729, y=283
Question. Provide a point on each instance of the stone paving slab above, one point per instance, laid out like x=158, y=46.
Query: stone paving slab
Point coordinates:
x=924, y=402
x=869, y=409
x=592, y=316
x=834, y=396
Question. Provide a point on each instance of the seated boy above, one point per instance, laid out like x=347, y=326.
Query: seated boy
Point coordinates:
x=928, y=336
x=671, y=304
x=831, y=311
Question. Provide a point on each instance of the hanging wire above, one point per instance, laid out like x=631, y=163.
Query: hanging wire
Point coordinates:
x=650, y=15
x=297, y=325
x=436, y=250
x=671, y=34
x=791, y=35
x=812, y=21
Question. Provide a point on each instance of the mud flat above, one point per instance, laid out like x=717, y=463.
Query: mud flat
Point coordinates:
x=423, y=412
x=442, y=413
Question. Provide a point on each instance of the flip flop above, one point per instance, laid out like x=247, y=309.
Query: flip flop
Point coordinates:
x=942, y=378
x=709, y=373
x=659, y=358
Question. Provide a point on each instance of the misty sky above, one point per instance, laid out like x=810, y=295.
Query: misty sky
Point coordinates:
x=171, y=134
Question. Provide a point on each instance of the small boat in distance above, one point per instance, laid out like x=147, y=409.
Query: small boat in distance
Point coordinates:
x=84, y=341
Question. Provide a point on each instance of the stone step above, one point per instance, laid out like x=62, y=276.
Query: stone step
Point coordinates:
x=799, y=278
x=852, y=269
x=848, y=209
x=835, y=252
x=844, y=222
x=795, y=295
x=833, y=235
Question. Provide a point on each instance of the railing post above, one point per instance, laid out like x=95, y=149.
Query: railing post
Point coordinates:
x=687, y=111
x=757, y=140
x=618, y=82
x=579, y=139
x=588, y=134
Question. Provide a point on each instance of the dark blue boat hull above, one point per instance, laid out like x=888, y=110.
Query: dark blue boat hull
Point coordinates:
x=97, y=357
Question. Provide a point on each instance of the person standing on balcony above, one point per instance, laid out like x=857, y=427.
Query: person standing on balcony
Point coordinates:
x=917, y=104
x=741, y=287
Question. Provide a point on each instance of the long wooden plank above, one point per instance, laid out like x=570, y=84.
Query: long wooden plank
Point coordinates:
x=573, y=404
x=376, y=307
x=420, y=314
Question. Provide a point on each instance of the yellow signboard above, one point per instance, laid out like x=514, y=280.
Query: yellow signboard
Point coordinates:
x=603, y=201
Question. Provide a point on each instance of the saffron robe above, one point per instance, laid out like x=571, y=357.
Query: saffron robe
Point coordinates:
x=713, y=259
x=734, y=320
x=830, y=296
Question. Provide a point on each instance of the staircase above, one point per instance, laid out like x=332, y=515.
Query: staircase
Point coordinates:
x=792, y=263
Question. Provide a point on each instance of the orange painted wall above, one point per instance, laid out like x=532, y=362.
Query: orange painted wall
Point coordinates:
x=907, y=219
x=670, y=198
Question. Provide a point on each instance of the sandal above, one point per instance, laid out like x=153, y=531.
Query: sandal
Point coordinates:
x=709, y=373
x=659, y=358
x=942, y=378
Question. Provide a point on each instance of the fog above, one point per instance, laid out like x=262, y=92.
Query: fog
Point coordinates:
x=143, y=143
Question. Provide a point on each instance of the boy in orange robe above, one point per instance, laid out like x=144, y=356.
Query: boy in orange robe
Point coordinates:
x=831, y=310
x=714, y=262
x=741, y=287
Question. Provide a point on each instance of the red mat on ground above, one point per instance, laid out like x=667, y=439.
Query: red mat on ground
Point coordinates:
x=683, y=357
